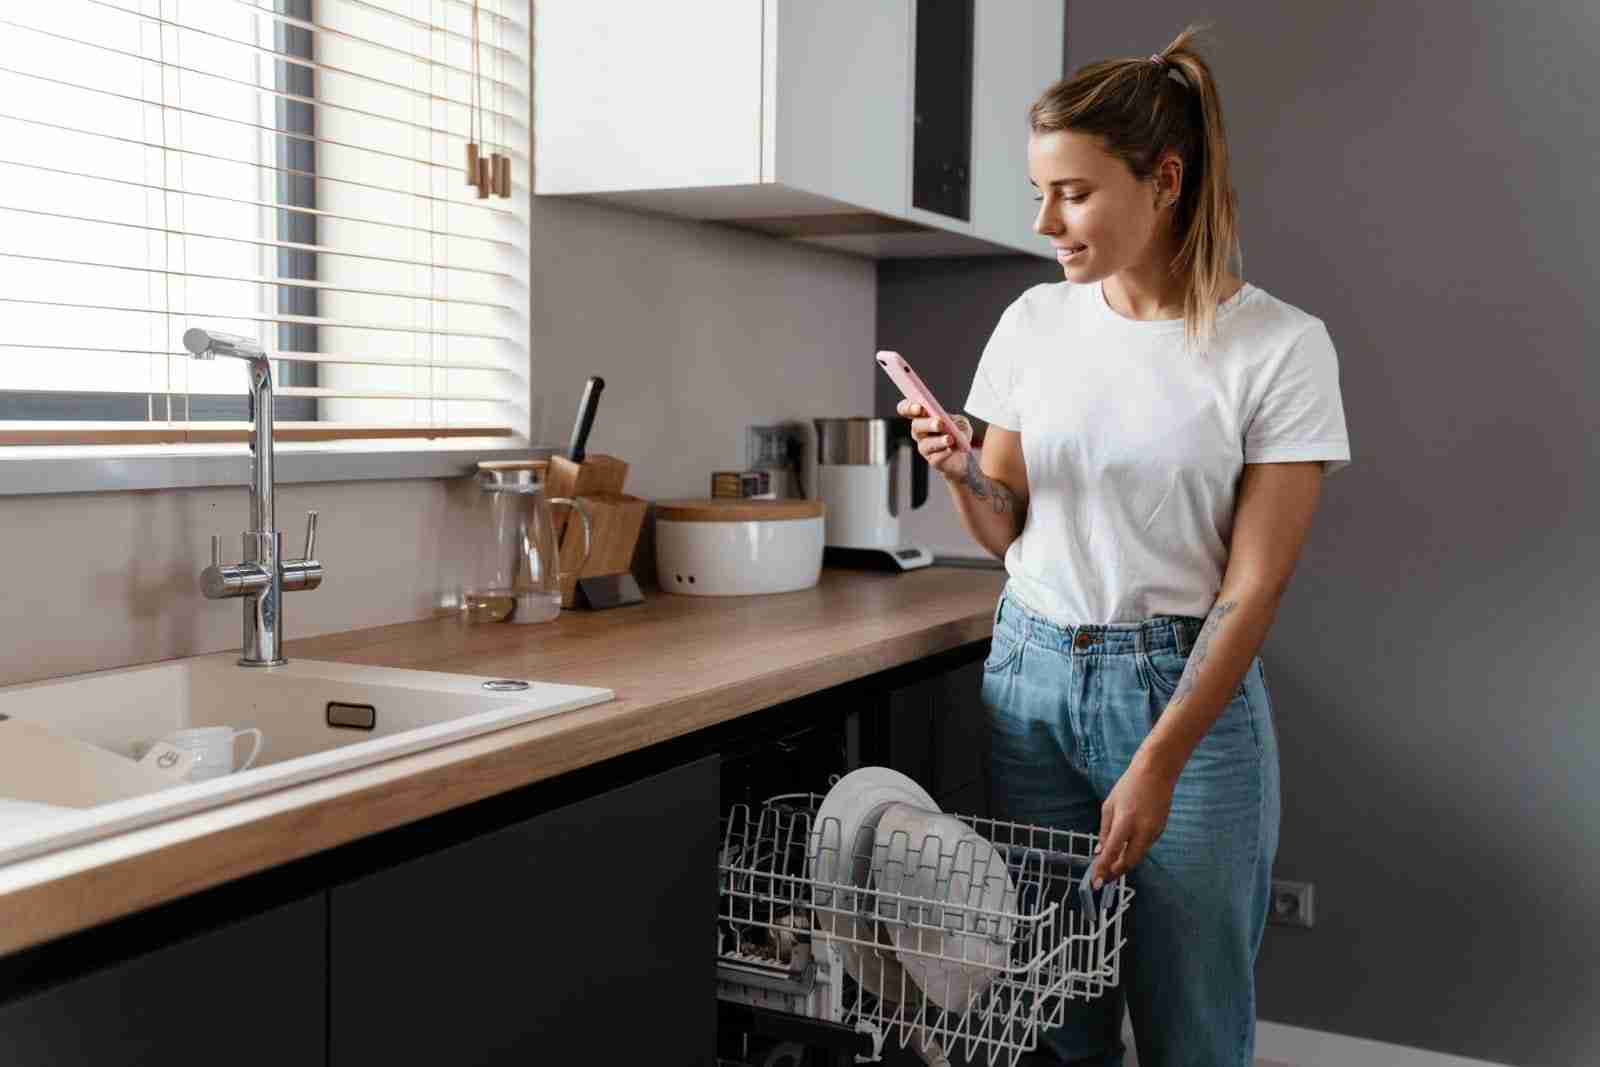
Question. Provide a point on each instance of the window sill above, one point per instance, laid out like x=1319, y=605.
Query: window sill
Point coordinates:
x=126, y=469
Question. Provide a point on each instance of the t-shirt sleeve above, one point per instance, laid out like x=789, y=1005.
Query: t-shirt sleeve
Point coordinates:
x=992, y=397
x=1300, y=414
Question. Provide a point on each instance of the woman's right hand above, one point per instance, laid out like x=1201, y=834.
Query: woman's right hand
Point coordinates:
x=935, y=442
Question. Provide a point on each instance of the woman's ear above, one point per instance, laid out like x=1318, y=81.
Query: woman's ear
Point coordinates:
x=1175, y=168
x=1168, y=180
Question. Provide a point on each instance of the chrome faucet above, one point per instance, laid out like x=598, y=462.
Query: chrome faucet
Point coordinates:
x=264, y=575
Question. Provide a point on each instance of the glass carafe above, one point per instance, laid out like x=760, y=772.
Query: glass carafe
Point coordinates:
x=514, y=560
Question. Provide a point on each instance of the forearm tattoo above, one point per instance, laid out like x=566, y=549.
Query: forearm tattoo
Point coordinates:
x=1202, y=647
x=986, y=488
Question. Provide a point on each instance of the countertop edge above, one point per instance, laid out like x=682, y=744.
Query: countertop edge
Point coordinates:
x=86, y=885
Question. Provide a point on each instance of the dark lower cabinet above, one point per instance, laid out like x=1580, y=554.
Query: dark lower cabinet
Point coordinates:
x=938, y=733
x=583, y=935
x=251, y=992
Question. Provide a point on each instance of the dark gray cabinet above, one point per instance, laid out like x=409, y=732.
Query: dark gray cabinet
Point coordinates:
x=941, y=129
x=583, y=935
x=251, y=992
x=937, y=732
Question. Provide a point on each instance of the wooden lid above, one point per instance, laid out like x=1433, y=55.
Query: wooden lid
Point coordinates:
x=513, y=464
x=731, y=509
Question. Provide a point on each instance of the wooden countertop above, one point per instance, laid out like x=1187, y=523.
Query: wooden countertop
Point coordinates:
x=677, y=664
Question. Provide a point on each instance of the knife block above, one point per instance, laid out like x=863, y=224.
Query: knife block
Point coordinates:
x=596, y=474
x=605, y=580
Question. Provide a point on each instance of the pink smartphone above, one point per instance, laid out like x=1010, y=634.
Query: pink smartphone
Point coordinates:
x=900, y=372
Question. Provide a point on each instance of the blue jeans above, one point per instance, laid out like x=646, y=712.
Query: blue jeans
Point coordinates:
x=1068, y=707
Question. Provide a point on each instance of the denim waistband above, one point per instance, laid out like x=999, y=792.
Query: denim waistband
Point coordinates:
x=1175, y=632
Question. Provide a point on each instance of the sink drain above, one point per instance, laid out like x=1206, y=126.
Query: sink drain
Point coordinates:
x=505, y=685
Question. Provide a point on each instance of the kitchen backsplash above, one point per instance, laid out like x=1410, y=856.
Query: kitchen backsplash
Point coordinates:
x=698, y=329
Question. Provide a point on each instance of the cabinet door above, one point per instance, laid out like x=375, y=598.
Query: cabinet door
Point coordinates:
x=584, y=935
x=252, y=992
x=646, y=96
x=1018, y=53
x=938, y=734
x=839, y=108
x=941, y=129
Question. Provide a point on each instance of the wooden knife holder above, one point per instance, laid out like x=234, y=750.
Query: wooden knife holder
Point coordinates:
x=616, y=519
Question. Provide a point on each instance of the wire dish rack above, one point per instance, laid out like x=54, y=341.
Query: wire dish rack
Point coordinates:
x=952, y=948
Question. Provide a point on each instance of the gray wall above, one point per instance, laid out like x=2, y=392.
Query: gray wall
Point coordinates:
x=1421, y=176
x=698, y=330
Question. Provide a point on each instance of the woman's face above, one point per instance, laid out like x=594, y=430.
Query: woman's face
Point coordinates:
x=1100, y=218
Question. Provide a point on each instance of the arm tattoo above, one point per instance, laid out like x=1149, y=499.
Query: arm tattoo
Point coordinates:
x=985, y=488
x=1202, y=648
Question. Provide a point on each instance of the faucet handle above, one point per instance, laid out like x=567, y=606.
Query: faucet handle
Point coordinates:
x=304, y=573
x=216, y=551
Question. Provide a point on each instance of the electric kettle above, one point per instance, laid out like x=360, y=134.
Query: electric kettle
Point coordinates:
x=858, y=481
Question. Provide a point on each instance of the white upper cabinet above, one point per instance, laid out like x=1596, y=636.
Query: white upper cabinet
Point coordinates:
x=800, y=118
x=635, y=95
x=1018, y=45
x=837, y=99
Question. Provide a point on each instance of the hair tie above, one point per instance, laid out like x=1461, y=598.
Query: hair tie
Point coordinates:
x=1169, y=70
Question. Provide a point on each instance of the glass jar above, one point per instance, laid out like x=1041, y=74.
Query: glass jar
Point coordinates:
x=513, y=571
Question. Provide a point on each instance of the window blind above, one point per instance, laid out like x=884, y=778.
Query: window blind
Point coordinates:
x=290, y=170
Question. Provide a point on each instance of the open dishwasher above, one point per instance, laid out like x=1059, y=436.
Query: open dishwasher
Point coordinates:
x=842, y=945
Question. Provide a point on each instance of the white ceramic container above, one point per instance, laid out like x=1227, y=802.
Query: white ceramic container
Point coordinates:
x=734, y=547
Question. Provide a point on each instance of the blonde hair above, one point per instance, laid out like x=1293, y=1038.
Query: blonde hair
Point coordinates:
x=1139, y=111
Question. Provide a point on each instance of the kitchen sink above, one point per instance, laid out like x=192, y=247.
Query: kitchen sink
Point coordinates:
x=316, y=719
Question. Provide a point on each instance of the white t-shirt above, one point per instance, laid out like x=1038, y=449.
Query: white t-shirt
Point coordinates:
x=1135, y=443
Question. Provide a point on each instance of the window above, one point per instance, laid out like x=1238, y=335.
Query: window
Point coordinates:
x=292, y=170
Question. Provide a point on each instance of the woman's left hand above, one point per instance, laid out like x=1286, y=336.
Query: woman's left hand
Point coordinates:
x=1131, y=820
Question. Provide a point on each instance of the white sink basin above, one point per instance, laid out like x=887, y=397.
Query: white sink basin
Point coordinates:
x=411, y=710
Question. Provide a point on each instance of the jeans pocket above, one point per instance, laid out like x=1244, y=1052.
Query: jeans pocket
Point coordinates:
x=1164, y=667
x=1003, y=650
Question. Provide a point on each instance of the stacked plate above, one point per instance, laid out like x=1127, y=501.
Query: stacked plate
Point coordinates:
x=952, y=953
x=877, y=823
x=840, y=855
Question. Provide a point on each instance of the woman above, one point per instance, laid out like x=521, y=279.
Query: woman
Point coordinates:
x=1158, y=434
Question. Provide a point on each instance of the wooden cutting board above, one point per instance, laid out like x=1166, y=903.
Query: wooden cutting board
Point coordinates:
x=42, y=766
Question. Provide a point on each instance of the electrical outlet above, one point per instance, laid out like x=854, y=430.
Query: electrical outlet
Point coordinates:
x=771, y=446
x=1292, y=904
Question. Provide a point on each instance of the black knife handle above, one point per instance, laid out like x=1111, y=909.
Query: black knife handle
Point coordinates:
x=585, y=423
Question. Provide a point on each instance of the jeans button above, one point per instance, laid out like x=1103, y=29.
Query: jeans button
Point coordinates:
x=1083, y=641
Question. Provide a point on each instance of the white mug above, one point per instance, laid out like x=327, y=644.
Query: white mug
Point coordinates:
x=213, y=747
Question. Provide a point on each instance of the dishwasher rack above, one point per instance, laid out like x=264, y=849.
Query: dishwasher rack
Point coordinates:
x=1000, y=954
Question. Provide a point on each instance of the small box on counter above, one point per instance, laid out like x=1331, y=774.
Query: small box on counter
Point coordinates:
x=745, y=485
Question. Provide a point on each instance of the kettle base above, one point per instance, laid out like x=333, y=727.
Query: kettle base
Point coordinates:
x=897, y=559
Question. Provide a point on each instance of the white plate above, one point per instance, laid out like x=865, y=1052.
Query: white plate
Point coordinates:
x=843, y=855
x=960, y=867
